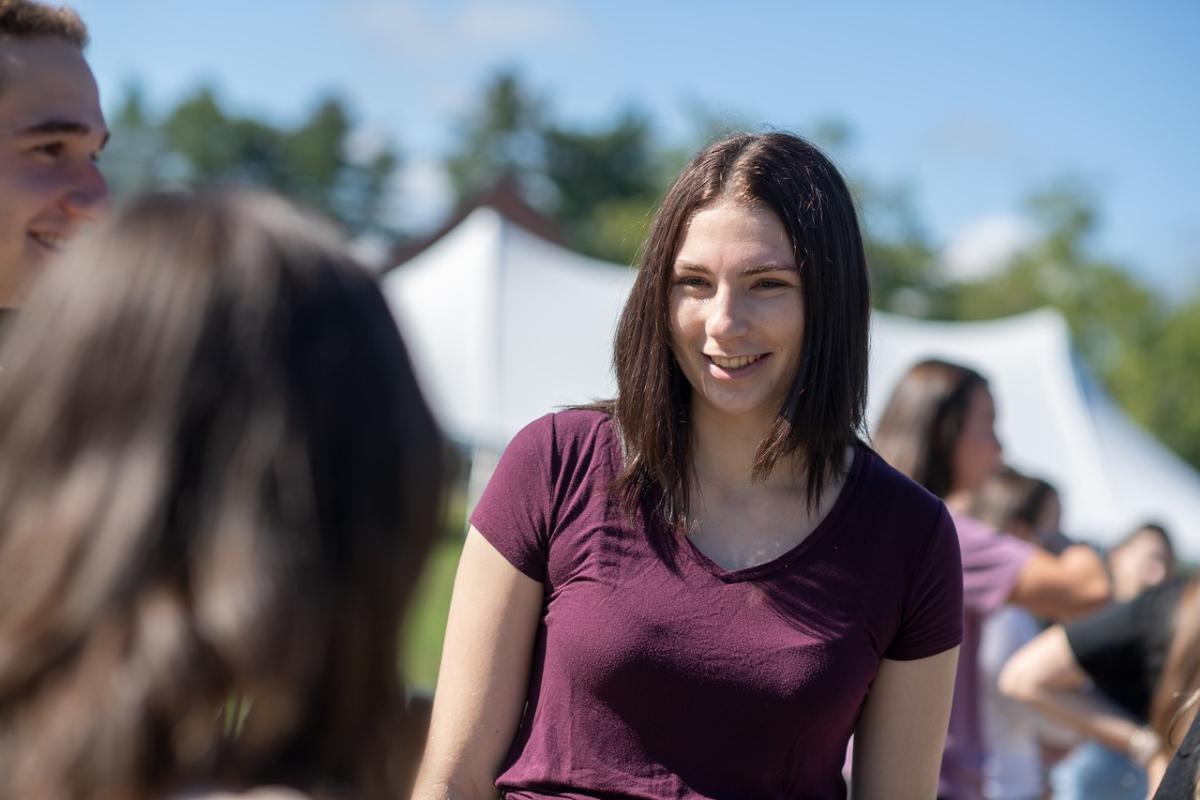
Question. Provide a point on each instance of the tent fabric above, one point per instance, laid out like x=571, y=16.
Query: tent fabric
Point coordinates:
x=504, y=326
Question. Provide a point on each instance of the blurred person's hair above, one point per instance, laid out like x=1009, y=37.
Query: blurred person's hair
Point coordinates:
x=27, y=19
x=1011, y=501
x=1177, y=696
x=823, y=409
x=923, y=421
x=1153, y=529
x=218, y=481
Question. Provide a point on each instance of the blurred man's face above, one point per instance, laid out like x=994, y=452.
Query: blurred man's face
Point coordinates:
x=51, y=130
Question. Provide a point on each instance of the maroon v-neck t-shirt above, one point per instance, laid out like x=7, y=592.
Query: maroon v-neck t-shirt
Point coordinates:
x=658, y=674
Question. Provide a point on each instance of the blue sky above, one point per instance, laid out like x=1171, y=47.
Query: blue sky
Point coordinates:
x=973, y=105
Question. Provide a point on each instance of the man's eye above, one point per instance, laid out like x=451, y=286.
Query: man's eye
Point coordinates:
x=51, y=149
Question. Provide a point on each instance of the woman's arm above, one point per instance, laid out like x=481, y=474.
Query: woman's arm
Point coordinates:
x=483, y=677
x=1062, y=587
x=902, y=730
x=1045, y=675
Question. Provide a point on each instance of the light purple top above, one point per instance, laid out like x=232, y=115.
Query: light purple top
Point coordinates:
x=991, y=562
x=658, y=674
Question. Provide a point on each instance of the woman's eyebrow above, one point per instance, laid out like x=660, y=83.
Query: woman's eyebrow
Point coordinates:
x=761, y=268
x=757, y=269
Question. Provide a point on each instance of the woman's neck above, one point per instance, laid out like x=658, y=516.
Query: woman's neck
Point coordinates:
x=724, y=450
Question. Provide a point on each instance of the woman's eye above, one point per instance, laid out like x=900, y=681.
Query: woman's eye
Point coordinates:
x=691, y=280
x=770, y=283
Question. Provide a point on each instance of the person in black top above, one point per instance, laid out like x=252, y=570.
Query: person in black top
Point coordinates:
x=1141, y=658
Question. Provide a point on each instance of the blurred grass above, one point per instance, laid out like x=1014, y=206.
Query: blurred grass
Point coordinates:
x=426, y=622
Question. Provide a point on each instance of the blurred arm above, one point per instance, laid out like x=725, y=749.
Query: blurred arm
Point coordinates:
x=1045, y=675
x=1062, y=587
x=483, y=677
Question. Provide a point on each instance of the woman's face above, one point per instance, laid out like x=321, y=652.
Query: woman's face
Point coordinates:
x=977, y=451
x=737, y=311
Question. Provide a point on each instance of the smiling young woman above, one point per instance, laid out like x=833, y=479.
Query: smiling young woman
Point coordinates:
x=703, y=587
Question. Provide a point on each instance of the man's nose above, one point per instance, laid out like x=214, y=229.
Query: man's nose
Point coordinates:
x=87, y=197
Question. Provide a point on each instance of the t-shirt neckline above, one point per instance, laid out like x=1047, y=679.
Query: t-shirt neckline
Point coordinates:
x=785, y=559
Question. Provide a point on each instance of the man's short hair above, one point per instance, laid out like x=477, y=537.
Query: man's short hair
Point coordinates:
x=25, y=19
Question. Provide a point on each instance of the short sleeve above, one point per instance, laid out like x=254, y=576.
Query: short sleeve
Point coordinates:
x=992, y=562
x=515, y=512
x=932, y=620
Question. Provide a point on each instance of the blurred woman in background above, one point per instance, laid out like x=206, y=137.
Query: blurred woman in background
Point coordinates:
x=939, y=428
x=218, y=480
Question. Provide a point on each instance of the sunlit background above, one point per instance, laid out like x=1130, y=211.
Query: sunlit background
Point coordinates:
x=1005, y=156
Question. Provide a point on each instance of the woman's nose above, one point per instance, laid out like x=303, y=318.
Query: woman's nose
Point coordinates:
x=727, y=314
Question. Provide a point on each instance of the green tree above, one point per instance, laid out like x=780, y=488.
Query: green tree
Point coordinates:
x=598, y=183
x=1112, y=316
x=1160, y=384
x=503, y=136
x=606, y=184
x=199, y=141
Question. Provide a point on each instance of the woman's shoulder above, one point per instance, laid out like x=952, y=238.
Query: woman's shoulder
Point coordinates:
x=581, y=421
x=886, y=484
x=565, y=442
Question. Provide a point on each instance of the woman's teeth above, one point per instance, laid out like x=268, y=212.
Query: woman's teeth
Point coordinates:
x=735, y=363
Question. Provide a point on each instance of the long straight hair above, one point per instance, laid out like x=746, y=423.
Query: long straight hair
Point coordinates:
x=1177, y=696
x=218, y=480
x=924, y=419
x=823, y=410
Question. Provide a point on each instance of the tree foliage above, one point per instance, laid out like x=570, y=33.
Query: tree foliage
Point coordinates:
x=599, y=183
x=1142, y=349
x=199, y=141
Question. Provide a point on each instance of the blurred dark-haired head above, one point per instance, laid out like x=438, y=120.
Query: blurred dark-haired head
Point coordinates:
x=218, y=479
x=1022, y=505
x=937, y=428
x=1144, y=558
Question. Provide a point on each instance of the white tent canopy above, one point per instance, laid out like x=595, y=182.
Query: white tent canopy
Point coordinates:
x=504, y=326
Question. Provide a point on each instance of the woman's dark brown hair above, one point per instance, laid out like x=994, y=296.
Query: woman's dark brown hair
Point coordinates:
x=1009, y=497
x=923, y=420
x=1177, y=696
x=823, y=410
x=218, y=480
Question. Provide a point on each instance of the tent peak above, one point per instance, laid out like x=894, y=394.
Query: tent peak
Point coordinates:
x=504, y=197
